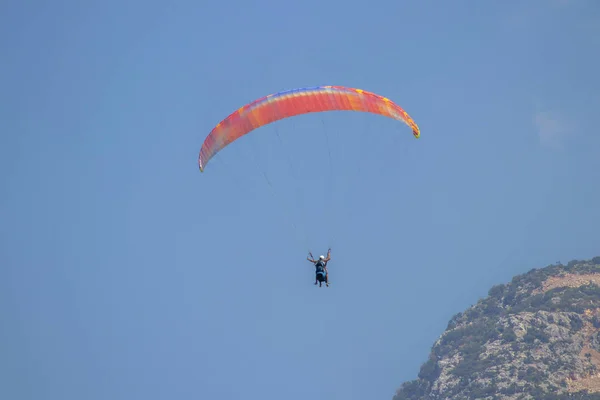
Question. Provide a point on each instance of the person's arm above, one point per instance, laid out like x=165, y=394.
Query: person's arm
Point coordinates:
x=311, y=258
x=328, y=255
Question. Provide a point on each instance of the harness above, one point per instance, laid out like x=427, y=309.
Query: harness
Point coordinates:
x=320, y=265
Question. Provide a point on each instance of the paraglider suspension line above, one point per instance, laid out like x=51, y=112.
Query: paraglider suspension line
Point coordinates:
x=330, y=188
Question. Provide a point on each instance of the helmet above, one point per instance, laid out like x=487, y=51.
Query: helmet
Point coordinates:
x=322, y=257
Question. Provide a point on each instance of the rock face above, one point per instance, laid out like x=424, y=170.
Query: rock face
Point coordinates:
x=535, y=338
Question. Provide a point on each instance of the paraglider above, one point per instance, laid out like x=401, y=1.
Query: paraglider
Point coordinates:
x=285, y=104
x=321, y=273
x=294, y=102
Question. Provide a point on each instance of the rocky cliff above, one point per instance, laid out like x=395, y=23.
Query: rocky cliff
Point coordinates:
x=537, y=337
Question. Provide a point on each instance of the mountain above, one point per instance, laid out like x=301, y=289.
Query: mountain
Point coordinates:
x=537, y=337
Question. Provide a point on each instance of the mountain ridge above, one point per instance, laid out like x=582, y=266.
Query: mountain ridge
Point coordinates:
x=535, y=337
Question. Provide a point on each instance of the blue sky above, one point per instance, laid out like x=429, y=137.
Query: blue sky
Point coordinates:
x=127, y=273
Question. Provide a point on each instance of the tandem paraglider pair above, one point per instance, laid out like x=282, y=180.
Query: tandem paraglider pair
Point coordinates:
x=321, y=273
x=289, y=103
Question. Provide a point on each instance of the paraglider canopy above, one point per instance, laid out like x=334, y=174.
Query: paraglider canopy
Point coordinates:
x=294, y=102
